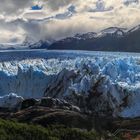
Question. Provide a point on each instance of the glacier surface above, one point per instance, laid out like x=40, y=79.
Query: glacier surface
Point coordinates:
x=31, y=78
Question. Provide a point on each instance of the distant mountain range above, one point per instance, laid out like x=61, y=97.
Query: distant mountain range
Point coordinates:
x=110, y=39
x=29, y=43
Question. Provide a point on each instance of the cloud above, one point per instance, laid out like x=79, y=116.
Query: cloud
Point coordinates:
x=56, y=4
x=14, y=7
x=62, y=18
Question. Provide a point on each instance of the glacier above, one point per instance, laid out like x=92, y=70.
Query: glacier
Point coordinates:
x=63, y=74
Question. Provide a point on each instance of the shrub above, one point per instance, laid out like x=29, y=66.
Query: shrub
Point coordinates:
x=11, y=130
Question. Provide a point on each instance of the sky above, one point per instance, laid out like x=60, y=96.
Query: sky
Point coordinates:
x=56, y=19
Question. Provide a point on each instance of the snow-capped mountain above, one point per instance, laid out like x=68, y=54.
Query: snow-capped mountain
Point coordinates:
x=110, y=39
x=29, y=43
x=137, y=28
x=85, y=36
x=114, y=31
x=38, y=45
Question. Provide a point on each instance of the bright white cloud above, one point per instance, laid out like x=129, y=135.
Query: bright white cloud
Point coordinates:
x=56, y=20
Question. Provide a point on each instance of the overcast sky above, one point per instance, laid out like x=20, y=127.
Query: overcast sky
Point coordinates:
x=61, y=18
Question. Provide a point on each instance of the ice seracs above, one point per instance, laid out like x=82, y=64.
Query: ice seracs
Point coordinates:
x=93, y=81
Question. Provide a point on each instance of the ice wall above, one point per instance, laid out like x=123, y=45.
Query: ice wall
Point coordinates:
x=57, y=77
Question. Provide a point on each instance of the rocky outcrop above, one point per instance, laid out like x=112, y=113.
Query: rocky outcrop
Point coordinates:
x=28, y=103
x=60, y=84
x=50, y=103
x=97, y=93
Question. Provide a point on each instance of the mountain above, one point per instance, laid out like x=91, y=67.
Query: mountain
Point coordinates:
x=110, y=39
x=39, y=45
x=29, y=43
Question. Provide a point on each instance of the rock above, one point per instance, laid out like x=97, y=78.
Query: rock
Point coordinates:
x=57, y=103
x=75, y=108
x=63, y=117
x=48, y=116
x=60, y=84
x=28, y=103
x=48, y=102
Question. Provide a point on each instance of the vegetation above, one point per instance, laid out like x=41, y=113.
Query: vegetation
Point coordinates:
x=11, y=130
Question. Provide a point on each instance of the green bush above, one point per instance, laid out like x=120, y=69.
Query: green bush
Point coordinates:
x=11, y=130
